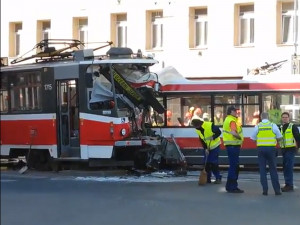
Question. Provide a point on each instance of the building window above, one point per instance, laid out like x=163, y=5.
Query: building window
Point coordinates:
x=15, y=39
x=119, y=29
x=157, y=30
x=244, y=25
x=287, y=18
x=247, y=24
x=201, y=26
x=46, y=30
x=43, y=30
x=80, y=31
x=154, y=30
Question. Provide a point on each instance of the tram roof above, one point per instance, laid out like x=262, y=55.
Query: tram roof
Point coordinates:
x=62, y=63
x=172, y=81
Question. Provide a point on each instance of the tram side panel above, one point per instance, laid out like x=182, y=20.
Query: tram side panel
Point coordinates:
x=32, y=128
x=190, y=145
x=49, y=108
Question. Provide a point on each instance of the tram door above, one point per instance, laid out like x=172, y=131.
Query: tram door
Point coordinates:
x=68, y=118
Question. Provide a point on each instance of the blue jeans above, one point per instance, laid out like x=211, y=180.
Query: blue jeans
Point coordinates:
x=267, y=156
x=212, y=164
x=288, y=158
x=233, y=153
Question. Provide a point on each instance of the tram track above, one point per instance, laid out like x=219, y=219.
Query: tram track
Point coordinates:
x=17, y=164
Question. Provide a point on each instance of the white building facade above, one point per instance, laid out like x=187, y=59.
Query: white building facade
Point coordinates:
x=200, y=38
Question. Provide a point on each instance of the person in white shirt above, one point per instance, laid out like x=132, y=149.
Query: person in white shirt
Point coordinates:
x=266, y=134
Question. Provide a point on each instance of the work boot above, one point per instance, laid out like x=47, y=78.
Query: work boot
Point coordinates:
x=287, y=188
x=236, y=191
x=218, y=181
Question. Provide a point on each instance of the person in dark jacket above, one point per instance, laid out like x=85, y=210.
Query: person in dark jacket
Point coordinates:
x=289, y=147
x=209, y=136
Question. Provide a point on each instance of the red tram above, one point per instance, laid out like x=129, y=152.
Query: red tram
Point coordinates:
x=72, y=106
x=273, y=93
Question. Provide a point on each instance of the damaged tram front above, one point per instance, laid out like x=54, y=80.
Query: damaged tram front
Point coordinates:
x=86, y=108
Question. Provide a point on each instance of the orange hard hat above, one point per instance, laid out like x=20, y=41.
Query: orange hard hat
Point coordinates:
x=169, y=114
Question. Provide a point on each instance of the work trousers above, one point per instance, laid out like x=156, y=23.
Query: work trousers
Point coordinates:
x=288, y=158
x=233, y=152
x=267, y=156
x=212, y=164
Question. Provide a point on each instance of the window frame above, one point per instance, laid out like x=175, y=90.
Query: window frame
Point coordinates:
x=157, y=30
x=46, y=30
x=121, y=41
x=25, y=96
x=285, y=13
x=247, y=33
x=202, y=19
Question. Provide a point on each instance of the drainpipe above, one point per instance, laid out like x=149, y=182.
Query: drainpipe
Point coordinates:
x=295, y=30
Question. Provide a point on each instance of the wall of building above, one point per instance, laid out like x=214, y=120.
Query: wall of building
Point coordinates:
x=220, y=58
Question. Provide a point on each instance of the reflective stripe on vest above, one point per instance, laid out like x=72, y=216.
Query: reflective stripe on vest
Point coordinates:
x=208, y=134
x=288, y=137
x=265, y=135
x=228, y=138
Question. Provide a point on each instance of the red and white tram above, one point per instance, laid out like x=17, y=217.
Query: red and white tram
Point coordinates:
x=73, y=106
x=252, y=94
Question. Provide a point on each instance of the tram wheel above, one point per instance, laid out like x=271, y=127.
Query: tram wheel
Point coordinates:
x=140, y=160
x=55, y=166
x=39, y=160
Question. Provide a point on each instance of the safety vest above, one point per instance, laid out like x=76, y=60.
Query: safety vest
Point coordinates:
x=157, y=124
x=275, y=115
x=228, y=138
x=288, y=137
x=208, y=133
x=218, y=121
x=265, y=135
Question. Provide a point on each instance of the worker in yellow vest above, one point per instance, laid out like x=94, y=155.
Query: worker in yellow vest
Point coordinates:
x=291, y=139
x=209, y=136
x=233, y=139
x=218, y=119
x=266, y=134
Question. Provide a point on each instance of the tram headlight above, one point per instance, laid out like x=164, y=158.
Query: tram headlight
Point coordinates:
x=123, y=132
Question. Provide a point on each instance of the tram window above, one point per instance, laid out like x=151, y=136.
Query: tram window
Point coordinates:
x=277, y=103
x=250, y=99
x=101, y=95
x=173, y=104
x=251, y=115
x=222, y=102
x=220, y=113
x=248, y=105
x=228, y=99
x=3, y=94
x=184, y=108
x=251, y=109
x=25, y=89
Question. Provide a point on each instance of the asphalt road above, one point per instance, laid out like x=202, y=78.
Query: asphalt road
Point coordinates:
x=81, y=197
